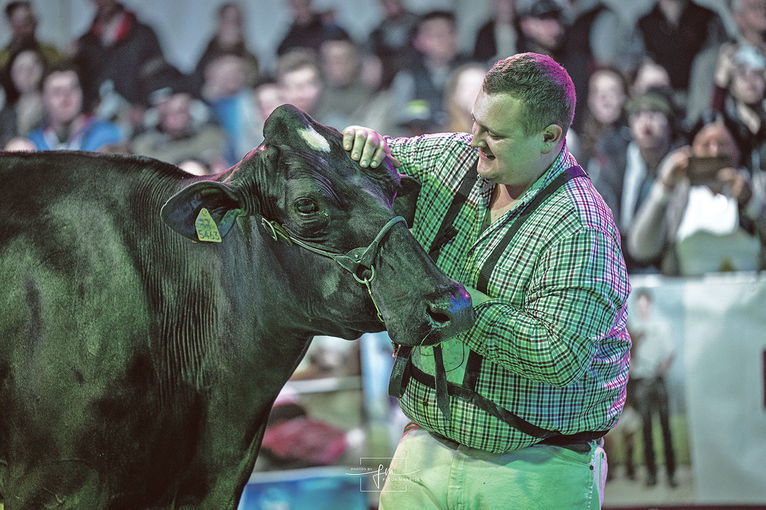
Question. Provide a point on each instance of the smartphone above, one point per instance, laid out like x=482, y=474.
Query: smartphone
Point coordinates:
x=703, y=170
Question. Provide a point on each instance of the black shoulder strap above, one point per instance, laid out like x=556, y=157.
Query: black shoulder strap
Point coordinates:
x=447, y=230
x=547, y=191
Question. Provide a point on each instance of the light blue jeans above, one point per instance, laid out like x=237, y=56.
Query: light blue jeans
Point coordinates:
x=427, y=473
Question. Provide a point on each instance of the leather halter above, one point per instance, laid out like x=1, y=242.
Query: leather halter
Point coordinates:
x=355, y=261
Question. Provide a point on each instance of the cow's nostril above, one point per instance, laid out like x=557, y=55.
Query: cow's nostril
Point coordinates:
x=437, y=315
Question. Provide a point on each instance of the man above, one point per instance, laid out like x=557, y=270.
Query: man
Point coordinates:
x=510, y=414
x=653, y=357
x=67, y=125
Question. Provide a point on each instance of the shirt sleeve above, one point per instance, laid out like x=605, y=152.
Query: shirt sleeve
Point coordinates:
x=574, y=299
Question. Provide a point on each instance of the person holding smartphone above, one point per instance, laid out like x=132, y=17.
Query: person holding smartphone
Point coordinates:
x=705, y=212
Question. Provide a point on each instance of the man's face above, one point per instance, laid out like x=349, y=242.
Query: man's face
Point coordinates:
x=62, y=96
x=507, y=155
x=752, y=16
x=301, y=87
x=437, y=39
x=650, y=129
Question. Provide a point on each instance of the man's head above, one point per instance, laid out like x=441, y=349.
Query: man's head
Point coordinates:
x=521, y=117
x=62, y=95
x=542, y=22
x=750, y=16
x=299, y=78
x=651, y=116
x=436, y=37
x=22, y=20
x=748, y=81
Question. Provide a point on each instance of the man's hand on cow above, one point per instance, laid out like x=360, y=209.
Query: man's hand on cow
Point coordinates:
x=367, y=146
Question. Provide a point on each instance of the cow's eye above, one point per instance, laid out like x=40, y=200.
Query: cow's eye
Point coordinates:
x=306, y=206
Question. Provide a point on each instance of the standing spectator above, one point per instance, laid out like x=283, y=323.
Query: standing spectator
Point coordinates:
x=625, y=174
x=119, y=56
x=183, y=134
x=68, y=126
x=391, y=39
x=309, y=28
x=300, y=79
x=229, y=39
x=651, y=357
x=24, y=105
x=674, y=32
x=702, y=213
x=497, y=37
x=422, y=86
x=23, y=24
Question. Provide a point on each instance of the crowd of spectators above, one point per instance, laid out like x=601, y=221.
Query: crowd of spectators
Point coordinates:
x=669, y=125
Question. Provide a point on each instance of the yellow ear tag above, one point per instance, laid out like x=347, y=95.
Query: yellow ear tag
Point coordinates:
x=207, y=230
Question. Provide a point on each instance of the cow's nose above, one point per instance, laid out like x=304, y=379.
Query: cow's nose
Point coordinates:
x=449, y=315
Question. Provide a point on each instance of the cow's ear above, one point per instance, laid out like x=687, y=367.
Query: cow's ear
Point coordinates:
x=203, y=211
x=407, y=198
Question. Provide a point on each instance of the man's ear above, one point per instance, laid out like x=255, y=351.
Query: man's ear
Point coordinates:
x=407, y=198
x=203, y=211
x=552, y=135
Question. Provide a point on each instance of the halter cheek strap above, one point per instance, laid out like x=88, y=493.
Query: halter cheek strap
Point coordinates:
x=355, y=261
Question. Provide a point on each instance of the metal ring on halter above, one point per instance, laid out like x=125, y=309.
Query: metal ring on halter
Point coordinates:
x=366, y=283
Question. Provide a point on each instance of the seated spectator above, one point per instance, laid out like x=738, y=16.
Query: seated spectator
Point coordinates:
x=438, y=55
x=463, y=86
x=345, y=94
x=231, y=101
x=309, y=28
x=268, y=96
x=624, y=173
x=118, y=56
x=183, y=132
x=604, y=115
x=229, y=39
x=68, y=126
x=744, y=104
x=300, y=79
x=391, y=39
x=24, y=105
x=701, y=213
x=649, y=74
x=23, y=24
x=543, y=26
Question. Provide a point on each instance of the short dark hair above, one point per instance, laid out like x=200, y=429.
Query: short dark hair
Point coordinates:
x=540, y=83
x=12, y=6
x=437, y=14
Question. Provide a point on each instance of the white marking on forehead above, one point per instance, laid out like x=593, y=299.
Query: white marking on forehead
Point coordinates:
x=314, y=139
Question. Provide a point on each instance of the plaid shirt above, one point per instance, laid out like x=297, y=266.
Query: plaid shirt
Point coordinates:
x=553, y=334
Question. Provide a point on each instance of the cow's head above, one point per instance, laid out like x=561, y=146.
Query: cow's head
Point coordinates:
x=337, y=220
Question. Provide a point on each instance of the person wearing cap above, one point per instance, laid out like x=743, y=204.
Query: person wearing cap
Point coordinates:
x=625, y=173
x=510, y=414
x=543, y=27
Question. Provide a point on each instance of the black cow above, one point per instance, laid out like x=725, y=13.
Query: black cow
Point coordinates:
x=137, y=366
